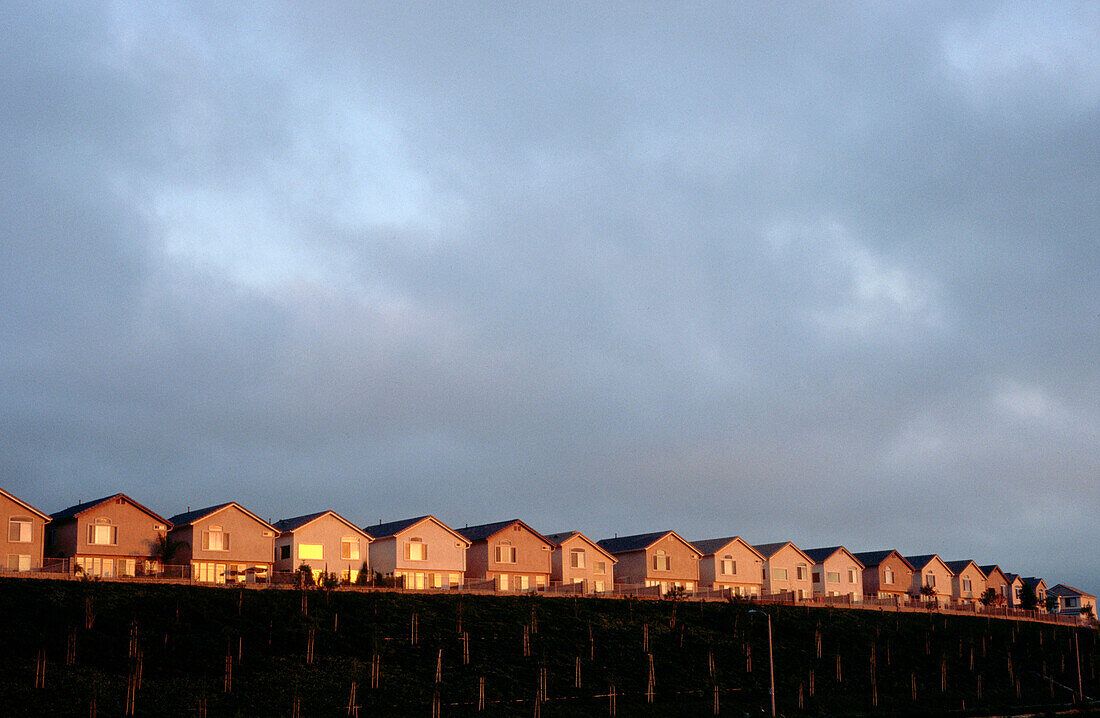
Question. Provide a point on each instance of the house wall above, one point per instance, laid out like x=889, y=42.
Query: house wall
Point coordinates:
x=631, y=567
x=941, y=577
x=639, y=566
x=34, y=549
x=532, y=558
x=791, y=560
x=136, y=537
x=977, y=585
x=1014, y=589
x=839, y=563
x=329, y=532
x=748, y=578
x=997, y=581
x=876, y=585
x=593, y=580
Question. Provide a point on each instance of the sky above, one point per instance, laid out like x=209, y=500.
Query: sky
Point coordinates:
x=827, y=273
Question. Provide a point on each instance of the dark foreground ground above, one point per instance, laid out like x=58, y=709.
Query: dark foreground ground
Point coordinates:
x=78, y=648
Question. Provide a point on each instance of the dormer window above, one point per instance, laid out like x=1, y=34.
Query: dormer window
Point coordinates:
x=102, y=533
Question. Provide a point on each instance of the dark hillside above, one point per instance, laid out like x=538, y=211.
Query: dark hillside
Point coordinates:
x=96, y=637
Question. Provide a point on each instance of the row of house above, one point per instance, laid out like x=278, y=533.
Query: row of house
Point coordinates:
x=116, y=536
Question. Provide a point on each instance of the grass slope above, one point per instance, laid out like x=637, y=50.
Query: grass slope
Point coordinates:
x=185, y=634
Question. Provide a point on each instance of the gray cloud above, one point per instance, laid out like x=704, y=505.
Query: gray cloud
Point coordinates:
x=822, y=273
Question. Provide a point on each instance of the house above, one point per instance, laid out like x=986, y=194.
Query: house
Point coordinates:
x=996, y=579
x=25, y=538
x=730, y=563
x=786, y=569
x=1015, y=589
x=225, y=543
x=326, y=542
x=423, y=552
x=1073, y=600
x=969, y=582
x=1040, y=588
x=578, y=559
x=931, y=571
x=109, y=537
x=660, y=559
x=836, y=572
x=886, y=574
x=510, y=553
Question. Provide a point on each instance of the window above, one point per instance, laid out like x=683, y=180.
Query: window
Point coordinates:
x=523, y=582
x=833, y=577
x=662, y=561
x=350, y=575
x=729, y=566
x=96, y=566
x=930, y=581
x=966, y=584
x=311, y=551
x=599, y=586
x=502, y=582
x=214, y=539
x=888, y=575
x=601, y=567
x=851, y=575
x=19, y=562
x=349, y=548
x=576, y=558
x=284, y=552
x=127, y=567
x=505, y=552
x=437, y=580
x=817, y=577
x=779, y=574
x=19, y=529
x=800, y=572
x=102, y=533
x=416, y=550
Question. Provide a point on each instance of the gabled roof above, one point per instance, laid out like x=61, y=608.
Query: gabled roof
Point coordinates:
x=639, y=542
x=820, y=555
x=559, y=538
x=709, y=547
x=1034, y=582
x=988, y=570
x=1013, y=577
x=960, y=566
x=871, y=559
x=291, y=525
x=919, y=563
x=189, y=517
x=1062, y=589
x=25, y=505
x=392, y=528
x=481, y=532
x=77, y=509
x=770, y=549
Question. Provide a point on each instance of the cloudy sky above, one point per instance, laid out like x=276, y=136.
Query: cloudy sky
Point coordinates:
x=826, y=273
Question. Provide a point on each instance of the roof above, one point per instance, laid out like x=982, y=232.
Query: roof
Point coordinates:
x=770, y=549
x=988, y=570
x=960, y=566
x=870, y=559
x=1062, y=589
x=392, y=528
x=919, y=562
x=1012, y=577
x=1034, y=581
x=290, y=525
x=559, y=538
x=77, y=509
x=708, y=547
x=819, y=555
x=637, y=542
x=190, y=517
x=25, y=505
x=484, y=531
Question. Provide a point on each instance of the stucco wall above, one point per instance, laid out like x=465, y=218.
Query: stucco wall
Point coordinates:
x=561, y=569
x=446, y=552
x=136, y=537
x=35, y=548
x=247, y=543
x=749, y=569
x=791, y=560
x=839, y=563
x=532, y=554
x=874, y=578
x=329, y=532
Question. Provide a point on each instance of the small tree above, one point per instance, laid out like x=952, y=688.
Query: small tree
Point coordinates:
x=304, y=578
x=1028, y=600
x=989, y=596
x=675, y=593
x=165, y=549
x=928, y=592
x=1051, y=604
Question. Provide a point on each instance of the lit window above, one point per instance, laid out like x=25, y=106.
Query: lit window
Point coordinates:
x=416, y=550
x=779, y=574
x=851, y=575
x=19, y=529
x=523, y=582
x=505, y=553
x=601, y=567
x=215, y=539
x=598, y=586
x=800, y=572
x=311, y=551
x=931, y=580
x=576, y=558
x=833, y=577
x=662, y=561
x=966, y=584
x=349, y=548
x=729, y=566
x=102, y=533
x=18, y=562
x=888, y=575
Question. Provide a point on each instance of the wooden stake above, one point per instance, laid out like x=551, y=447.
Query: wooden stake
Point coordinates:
x=577, y=673
x=650, y=683
x=228, y=685
x=481, y=693
x=611, y=700
x=353, y=706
